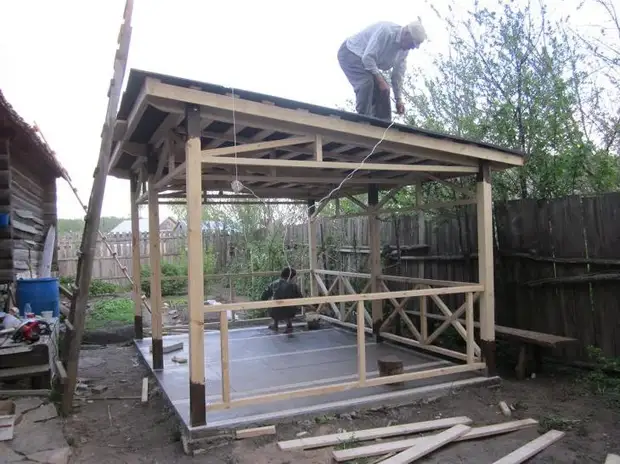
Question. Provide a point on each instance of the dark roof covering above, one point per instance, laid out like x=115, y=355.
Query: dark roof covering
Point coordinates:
x=13, y=121
x=137, y=77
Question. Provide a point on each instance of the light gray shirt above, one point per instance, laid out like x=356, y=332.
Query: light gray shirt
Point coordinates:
x=379, y=48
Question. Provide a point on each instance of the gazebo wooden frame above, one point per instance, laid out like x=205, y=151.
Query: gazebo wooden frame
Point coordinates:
x=174, y=140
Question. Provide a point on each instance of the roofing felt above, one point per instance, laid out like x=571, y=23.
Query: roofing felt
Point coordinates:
x=137, y=78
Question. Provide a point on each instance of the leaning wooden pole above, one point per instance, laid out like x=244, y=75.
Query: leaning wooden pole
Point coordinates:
x=91, y=223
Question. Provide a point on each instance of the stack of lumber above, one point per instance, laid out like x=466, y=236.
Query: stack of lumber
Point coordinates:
x=408, y=450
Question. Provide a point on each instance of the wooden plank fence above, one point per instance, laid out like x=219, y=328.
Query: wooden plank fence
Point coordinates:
x=105, y=267
x=557, y=263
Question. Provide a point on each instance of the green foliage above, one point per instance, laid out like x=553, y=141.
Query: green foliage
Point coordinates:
x=515, y=77
x=116, y=311
x=106, y=224
x=177, y=285
x=101, y=287
x=605, y=378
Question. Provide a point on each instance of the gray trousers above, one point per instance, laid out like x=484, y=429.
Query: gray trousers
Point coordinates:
x=369, y=101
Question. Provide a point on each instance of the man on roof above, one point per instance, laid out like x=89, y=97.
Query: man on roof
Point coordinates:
x=380, y=47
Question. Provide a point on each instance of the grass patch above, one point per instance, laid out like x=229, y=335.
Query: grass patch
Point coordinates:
x=118, y=310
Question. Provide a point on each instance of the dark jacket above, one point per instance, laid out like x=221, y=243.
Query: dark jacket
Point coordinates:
x=282, y=289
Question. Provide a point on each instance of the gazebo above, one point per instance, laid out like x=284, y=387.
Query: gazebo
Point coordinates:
x=182, y=139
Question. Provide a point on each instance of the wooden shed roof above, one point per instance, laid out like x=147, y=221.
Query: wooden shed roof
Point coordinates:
x=153, y=110
x=13, y=126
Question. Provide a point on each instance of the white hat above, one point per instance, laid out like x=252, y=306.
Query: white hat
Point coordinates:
x=417, y=32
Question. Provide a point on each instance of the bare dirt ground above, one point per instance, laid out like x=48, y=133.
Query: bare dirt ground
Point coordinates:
x=124, y=431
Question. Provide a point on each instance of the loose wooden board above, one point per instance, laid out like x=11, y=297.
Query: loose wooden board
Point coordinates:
x=370, y=434
x=428, y=445
x=256, y=432
x=380, y=449
x=532, y=448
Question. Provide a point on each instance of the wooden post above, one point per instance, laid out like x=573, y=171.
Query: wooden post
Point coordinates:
x=469, y=327
x=135, y=259
x=155, y=261
x=421, y=226
x=312, y=248
x=195, y=272
x=375, y=257
x=423, y=320
x=485, y=266
x=224, y=356
x=361, y=343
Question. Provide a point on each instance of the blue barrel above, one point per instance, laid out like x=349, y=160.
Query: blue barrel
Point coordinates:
x=42, y=294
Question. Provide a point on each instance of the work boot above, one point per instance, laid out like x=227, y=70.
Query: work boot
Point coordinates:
x=274, y=326
x=289, y=327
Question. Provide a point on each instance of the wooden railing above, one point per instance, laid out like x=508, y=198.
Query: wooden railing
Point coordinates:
x=422, y=339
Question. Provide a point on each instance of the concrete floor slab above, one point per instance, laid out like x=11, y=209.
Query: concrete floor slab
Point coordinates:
x=263, y=362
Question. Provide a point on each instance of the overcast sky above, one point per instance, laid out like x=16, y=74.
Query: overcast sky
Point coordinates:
x=56, y=59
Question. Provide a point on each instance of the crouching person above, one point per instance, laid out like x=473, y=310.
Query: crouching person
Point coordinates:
x=283, y=289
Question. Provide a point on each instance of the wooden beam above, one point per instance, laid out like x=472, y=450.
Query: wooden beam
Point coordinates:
x=399, y=445
x=374, y=261
x=323, y=441
x=135, y=259
x=342, y=298
x=195, y=287
x=318, y=148
x=164, y=181
x=255, y=432
x=155, y=263
x=257, y=147
x=335, y=388
x=428, y=445
x=532, y=448
x=485, y=267
x=423, y=168
x=312, y=123
x=312, y=250
x=312, y=178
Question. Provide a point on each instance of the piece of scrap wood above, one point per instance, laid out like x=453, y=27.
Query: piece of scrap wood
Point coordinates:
x=395, y=446
x=370, y=434
x=170, y=348
x=428, y=445
x=145, y=390
x=256, y=432
x=612, y=459
x=532, y=448
x=25, y=393
x=60, y=368
x=505, y=409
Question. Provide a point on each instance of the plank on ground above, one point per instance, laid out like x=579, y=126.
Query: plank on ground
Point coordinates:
x=385, y=448
x=532, y=448
x=428, y=445
x=370, y=434
x=255, y=432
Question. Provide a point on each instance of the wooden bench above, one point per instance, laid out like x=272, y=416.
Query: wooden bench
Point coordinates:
x=530, y=343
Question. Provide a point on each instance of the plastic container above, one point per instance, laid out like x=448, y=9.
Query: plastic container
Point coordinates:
x=42, y=295
x=4, y=220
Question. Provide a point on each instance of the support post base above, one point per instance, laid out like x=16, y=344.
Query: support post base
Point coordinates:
x=197, y=404
x=138, y=328
x=488, y=355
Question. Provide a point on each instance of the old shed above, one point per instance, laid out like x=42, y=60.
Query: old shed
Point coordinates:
x=28, y=173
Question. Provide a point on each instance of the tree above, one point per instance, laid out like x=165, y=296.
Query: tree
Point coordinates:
x=511, y=78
